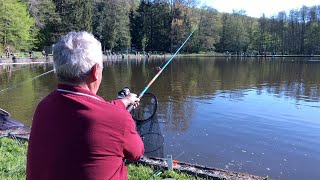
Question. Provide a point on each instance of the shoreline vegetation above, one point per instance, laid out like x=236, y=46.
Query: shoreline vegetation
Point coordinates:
x=38, y=57
x=141, y=25
x=13, y=166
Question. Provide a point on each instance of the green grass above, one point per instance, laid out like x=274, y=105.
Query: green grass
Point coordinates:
x=12, y=159
x=13, y=164
x=144, y=172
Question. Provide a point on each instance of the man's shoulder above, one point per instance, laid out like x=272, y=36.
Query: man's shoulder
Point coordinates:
x=50, y=97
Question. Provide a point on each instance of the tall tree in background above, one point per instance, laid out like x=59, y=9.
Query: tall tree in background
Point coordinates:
x=16, y=25
x=151, y=26
x=191, y=18
x=235, y=36
x=141, y=26
x=111, y=24
x=293, y=32
x=312, y=36
x=158, y=25
x=242, y=33
x=303, y=20
x=281, y=31
x=179, y=23
x=264, y=36
x=76, y=15
x=208, y=30
x=47, y=21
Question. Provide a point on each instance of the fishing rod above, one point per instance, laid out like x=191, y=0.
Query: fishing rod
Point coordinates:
x=161, y=70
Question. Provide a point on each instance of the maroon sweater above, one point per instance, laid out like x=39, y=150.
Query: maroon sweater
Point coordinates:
x=76, y=136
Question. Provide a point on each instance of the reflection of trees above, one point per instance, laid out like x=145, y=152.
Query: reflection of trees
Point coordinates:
x=203, y=77
x=116, y=75
x=177, y=114
x=198, y=77
x=21, y=100
x=296, y=79
x=10, y=74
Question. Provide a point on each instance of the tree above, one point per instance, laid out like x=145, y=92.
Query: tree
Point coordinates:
x=48, y=21
x=151, y=26
x=235, y=36
x=76, y=15
x=16, y=25
x=209, y=29
x=293, y=33
x=282, y=29
x=181, y=24
x=111, y=24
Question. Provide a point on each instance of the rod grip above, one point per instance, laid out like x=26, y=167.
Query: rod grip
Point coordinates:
x=130, y=107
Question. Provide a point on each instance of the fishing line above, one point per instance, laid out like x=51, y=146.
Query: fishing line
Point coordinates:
x=25, y=82
x=161, y=70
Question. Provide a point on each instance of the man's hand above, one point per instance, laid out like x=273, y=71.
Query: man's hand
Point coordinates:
x=131, y=99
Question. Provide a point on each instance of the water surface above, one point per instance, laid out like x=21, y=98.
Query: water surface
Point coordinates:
x=259, y=116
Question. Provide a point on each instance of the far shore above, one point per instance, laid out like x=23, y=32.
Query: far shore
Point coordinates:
x=120, y=57
x=224, y=55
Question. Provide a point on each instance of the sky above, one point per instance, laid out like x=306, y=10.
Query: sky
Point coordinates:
x=256, y=8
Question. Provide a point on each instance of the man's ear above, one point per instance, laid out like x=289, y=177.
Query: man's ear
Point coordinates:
x=95, y=72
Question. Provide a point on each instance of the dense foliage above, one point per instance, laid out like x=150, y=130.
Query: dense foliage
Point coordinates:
x=16, y=25
x=158, y=25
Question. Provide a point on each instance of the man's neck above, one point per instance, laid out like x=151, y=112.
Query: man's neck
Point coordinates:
x=81, y=85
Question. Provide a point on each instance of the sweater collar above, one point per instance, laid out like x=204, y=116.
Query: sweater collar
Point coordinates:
x=78, y=90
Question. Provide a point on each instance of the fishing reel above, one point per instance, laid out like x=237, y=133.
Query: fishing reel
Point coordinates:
x=123, y=93
x=147, y=108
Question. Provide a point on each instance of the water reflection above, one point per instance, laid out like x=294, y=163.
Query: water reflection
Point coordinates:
x=258, y=115
x=19, y=93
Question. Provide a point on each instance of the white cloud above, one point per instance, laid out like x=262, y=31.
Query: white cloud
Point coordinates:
x=256, y=8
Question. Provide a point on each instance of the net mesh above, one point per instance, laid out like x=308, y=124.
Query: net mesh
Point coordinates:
x=152, y=137
x=148, y=126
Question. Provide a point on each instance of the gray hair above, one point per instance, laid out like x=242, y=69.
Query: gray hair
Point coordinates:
x=75, y=55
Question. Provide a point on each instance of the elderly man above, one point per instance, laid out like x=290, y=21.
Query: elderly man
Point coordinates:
x=75, y=133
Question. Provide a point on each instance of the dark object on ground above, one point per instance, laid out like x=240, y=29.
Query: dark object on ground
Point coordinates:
x=12, y=128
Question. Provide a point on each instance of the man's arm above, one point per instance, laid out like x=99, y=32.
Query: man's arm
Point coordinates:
x=130, y=99
x=133, y=145
x=126, y=101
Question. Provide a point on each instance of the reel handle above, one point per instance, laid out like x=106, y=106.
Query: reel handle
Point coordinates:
x=131, y=106
x=122, y=94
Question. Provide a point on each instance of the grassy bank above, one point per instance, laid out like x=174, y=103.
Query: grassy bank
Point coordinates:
x=13, y=164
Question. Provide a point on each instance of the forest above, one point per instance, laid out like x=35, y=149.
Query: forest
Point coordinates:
x=158, y=25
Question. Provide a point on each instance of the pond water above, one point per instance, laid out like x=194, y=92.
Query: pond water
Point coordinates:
x=259, y=116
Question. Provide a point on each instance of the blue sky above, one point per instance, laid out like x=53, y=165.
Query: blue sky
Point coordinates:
x=256, y=8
